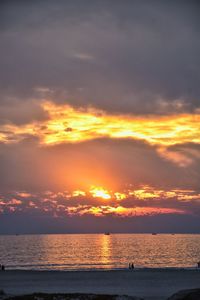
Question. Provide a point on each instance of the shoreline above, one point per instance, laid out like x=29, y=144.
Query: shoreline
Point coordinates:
x=55, y=267
x=150, y=284
x=136, y=269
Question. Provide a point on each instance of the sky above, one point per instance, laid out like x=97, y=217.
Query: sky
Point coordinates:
x=99, y=116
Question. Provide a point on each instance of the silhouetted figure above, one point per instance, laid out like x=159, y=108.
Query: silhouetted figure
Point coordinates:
x=131, y=266
x=198, y=265
x=2, y=268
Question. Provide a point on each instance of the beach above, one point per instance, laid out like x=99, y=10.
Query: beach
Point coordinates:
x=150, y=284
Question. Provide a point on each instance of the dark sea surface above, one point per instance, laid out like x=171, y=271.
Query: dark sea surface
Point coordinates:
x=99, y=251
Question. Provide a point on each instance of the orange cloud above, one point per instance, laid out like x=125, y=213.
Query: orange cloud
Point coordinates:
x=181, y=159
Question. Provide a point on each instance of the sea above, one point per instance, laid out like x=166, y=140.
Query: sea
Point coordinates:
x=99, y=251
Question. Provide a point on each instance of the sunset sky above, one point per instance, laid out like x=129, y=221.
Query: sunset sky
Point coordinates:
x=99, y=116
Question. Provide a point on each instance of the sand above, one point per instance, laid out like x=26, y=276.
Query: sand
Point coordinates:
x=149, y=284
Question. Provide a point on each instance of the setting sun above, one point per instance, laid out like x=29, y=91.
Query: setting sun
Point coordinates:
x=98, y=192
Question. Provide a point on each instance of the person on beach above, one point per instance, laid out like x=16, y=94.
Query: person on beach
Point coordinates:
x=2, y=268
x=131, y=266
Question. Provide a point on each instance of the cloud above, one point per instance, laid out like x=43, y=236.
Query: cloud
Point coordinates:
x=146, y=54
x=83, y=56
x=17, y=113
x=182, y=154
x=68, y=124
x=137, y=202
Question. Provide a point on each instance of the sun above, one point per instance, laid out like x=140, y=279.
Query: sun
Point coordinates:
x=99, y=192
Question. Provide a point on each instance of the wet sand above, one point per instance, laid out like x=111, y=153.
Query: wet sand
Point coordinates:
x=150, y=284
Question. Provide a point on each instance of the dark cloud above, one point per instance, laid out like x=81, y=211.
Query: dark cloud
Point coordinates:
x=134, y=56
x=21, y=112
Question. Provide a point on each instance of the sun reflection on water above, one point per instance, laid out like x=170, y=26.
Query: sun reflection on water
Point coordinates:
x=106, y=249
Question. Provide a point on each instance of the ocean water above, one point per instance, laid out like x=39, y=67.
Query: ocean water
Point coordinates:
x=99, y=251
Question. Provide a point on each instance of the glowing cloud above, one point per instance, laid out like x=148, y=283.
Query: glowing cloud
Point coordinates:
x=68, y=124
x=145, y=200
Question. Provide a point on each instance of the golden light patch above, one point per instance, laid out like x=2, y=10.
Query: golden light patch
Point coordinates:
x=120, y=196
x=78, y=193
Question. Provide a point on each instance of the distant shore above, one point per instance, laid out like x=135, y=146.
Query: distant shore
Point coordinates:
x=150, y=284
